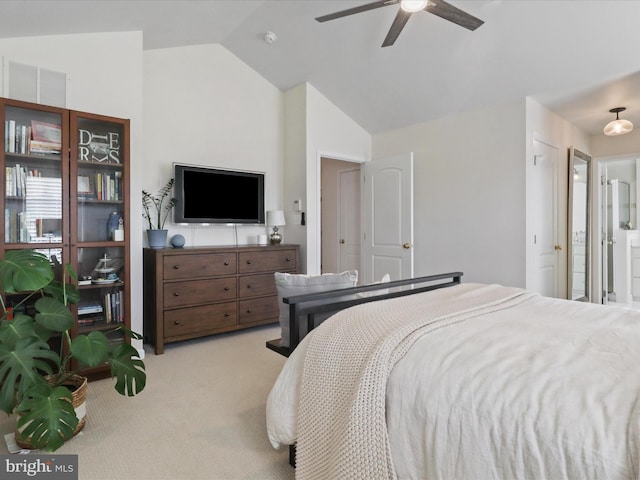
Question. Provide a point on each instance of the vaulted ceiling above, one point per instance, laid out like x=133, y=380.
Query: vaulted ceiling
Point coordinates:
x=578, y=58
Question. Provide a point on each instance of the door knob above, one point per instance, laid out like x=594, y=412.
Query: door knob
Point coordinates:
x=342, y=240
x=406, y=245
x=557, y=247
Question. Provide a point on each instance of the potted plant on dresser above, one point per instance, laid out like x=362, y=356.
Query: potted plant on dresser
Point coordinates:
x=156, y=213
x=36, y=382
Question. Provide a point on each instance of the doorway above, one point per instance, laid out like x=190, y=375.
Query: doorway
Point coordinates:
x=340, y=212
x=618, y=218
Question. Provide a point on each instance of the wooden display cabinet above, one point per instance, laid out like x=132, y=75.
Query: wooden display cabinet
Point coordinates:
x=66, y=175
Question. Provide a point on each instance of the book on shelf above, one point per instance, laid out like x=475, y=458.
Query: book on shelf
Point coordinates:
x=92, y=319
x=114, y=307
x=48, y=148
x=36, y=138
x=90, y=308
x=46, y=132
x=11, y=216
x=10, y=146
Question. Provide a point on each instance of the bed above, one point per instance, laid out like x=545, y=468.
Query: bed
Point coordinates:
x=469, y=381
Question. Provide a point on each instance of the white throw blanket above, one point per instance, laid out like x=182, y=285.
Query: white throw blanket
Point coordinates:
x=342, y=431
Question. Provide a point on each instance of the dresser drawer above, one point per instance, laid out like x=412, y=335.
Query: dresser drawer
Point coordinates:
x=256, y=285
x=199, y=291
x=199, y=265
x=258, y=310
x=262, y=261
x=197, y=319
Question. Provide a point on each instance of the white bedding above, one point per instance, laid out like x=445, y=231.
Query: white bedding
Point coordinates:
x=545, y=389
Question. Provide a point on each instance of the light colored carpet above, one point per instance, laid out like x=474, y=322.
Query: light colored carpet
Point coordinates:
x=201, y=416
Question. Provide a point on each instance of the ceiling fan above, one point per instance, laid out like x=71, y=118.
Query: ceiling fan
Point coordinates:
x=407, y=8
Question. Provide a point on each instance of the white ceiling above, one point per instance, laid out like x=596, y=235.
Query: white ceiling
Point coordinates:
x=579, y=58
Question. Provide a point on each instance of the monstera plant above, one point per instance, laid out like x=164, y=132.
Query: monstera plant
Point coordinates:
x=37, y=349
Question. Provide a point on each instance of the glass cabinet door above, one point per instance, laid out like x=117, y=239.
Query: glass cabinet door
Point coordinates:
x=99, y=180
x=35, y=172
x=102, y=295
x=99, y=173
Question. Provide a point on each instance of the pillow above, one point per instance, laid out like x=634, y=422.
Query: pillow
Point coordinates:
x=291, y=284
x=385, y=279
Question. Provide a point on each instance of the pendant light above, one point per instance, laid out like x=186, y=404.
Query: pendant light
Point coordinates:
x=618, y=127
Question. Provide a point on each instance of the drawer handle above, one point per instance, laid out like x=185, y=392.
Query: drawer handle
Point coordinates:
x=248, y=262
x=226, y=264
x=177, y=322
x=248, y=310
x=249, y=286
x=176, y=267
x=288, y=259
x=226, y=289
x=176, y=294
x=227, y=314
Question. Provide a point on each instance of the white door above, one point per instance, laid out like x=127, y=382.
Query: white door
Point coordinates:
x=387, y=211
x=349, y=220
x=546, y=248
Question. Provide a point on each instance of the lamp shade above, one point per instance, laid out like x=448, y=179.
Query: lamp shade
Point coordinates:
x=618, y=126
x=275, y=218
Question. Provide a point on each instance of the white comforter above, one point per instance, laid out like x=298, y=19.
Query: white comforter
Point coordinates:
x=547, y=389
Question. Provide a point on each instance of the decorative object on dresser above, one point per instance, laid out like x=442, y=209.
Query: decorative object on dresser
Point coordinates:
x=177, y=241
x=36, y=382
x=196, y=291
x=156, y=213
x=275, y=219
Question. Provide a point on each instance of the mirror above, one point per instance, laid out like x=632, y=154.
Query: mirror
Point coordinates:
x=578, y=272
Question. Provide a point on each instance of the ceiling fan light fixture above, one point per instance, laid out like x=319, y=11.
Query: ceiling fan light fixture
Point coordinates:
x=413, y=6
x=618, y=126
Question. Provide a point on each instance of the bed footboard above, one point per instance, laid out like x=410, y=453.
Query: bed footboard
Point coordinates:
x=304, y=309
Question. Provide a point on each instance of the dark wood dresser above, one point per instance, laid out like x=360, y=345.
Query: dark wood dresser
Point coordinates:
x=198, y=291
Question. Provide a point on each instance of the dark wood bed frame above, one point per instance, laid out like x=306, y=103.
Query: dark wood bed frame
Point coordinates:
x=304, y=308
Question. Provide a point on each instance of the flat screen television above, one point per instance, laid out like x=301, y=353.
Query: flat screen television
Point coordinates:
x=207, y=195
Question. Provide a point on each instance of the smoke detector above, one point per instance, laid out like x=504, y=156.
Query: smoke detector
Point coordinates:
x=270, y=37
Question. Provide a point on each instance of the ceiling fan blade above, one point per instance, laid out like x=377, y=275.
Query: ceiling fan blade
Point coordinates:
x=351, y=11
x=396, y=27
x=453, y=14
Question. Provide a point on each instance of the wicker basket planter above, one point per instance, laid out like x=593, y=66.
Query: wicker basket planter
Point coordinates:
x=78, y=385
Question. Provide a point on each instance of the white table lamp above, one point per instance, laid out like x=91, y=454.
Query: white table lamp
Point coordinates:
x=275, y=219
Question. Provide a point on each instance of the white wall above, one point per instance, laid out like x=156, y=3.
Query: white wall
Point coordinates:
x=544, y=125
x=295, y=167
x=327, y=132
x=629, y=144
x=472, y=203
x=105, y=76
x=204, y=106
x=469, y=188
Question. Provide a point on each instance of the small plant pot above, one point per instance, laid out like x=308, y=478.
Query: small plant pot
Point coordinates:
x=157, y=238
x=78, y=385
